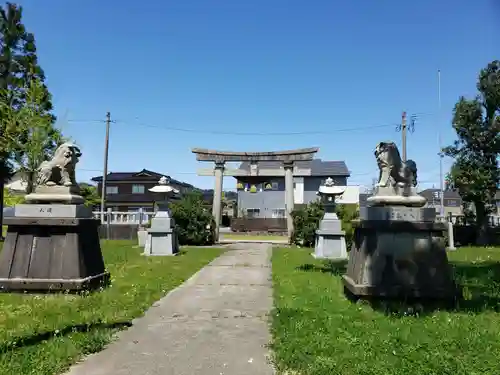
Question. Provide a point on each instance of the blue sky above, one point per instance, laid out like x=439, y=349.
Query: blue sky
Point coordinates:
x=279, y=66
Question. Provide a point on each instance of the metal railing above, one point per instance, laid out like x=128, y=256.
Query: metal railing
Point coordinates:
x=122, y=217
x=493, y=220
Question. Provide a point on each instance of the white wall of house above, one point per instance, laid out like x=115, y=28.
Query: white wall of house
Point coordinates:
x=298, y=190
x=350, y=196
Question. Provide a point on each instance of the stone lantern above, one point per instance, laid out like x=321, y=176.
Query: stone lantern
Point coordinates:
x=330, y=238
x=165, y=190
x=162, y=239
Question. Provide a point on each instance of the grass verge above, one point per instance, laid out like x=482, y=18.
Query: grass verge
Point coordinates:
x=316, y=330
x=44, y=334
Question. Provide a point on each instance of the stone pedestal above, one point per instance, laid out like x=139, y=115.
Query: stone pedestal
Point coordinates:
x=396, y=196
x=399, y=252
x=55, y=194
x=51, y=247
x=162, y=239
x=330, y=239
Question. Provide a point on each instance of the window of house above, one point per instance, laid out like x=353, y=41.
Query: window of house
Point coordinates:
x=278, y=213
x=137, y=189
x=253, y=212
x=111, y=189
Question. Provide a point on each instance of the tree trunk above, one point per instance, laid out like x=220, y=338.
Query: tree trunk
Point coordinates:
x=30, y=182
x=4, y=176
x=2, y=184
x=481, y=224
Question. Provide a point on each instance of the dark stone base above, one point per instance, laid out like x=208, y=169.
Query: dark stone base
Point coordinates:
x=50, y=255
x=399, y=259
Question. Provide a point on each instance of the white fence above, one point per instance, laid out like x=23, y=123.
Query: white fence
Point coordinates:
x=119, y=217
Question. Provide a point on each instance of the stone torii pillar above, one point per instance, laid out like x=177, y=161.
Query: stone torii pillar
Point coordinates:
x=217, y=200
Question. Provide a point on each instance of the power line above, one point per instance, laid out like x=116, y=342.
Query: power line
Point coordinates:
x=221, y=132
x=195, y=173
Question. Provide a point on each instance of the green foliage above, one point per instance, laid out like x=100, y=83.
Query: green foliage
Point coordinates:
x=18, y=58
x=18, y=70
x=475, y=172
x=90, y=194
x=10, y=199
x=306, y=222
x=347, y=213
x=39, y=137
x=194, y=223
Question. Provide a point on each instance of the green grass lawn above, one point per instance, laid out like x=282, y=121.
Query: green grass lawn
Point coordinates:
x=44, y=334
x=317, y=331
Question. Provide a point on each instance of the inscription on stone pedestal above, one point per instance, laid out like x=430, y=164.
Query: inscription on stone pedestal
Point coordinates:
x=52, y=211
x=398, y=213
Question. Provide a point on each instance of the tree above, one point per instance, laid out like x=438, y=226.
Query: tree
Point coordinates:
x=39, y=137
x=10, y=126
x=18, y=59
x=18, y=66
x=90, y=194
x=475, y=172
x=194, y=223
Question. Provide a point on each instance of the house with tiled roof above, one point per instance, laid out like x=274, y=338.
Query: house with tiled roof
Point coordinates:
x=129, y=191
x=263, y=195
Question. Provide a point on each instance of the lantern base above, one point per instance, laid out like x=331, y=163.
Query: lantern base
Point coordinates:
x=162, y=238
x=330, y=239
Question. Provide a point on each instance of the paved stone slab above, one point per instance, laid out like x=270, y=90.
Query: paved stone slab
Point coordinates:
x=203, y=327
x=239, y=259
x=214, y=298
x=229, y=275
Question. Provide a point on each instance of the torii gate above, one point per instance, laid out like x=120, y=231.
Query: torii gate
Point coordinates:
x=288, y=158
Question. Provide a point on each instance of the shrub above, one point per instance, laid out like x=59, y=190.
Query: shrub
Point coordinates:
x=194, y=223
x=306, y=222
x=347, y=213
x=10, y=200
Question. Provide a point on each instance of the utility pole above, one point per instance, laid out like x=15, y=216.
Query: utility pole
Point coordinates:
x=403, y=135
x=404, y=128
x=105, y=174
x=441, y=155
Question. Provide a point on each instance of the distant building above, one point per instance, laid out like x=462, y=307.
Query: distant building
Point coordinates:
x=452, y=201
x=129, y=191
x=263, y=195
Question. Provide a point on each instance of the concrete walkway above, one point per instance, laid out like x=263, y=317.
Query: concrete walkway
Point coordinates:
x=215, y=323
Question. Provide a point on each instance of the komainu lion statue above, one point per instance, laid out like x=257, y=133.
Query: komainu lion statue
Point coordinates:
x=60, y=170
x=392, y=169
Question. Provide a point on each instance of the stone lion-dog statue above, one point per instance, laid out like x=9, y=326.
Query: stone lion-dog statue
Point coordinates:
x=392, y=169
x=60, y=170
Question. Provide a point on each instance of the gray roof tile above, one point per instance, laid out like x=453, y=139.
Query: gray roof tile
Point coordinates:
x=318, y=167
